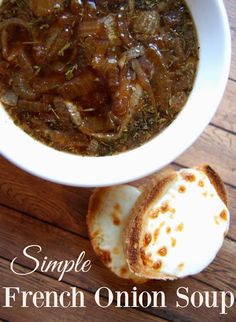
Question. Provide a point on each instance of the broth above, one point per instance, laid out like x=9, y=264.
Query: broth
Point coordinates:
x=96, y=77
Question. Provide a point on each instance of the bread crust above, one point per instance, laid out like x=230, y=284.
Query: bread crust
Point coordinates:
x=216, y=181
x=154, y=190
x=95, y=203
x=106, y=256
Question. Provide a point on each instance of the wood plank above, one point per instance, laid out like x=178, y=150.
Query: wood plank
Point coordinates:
x=223, y=271
x=38, y=282
x=216, y=147
x=61, y=206
x=28, y=231
x=231, y=10
x=226, y=114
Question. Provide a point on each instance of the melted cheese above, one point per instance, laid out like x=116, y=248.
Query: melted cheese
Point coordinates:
x=187, y=226
x=107, y=227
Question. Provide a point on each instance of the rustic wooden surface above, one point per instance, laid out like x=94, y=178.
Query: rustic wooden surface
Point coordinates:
x=33, y=211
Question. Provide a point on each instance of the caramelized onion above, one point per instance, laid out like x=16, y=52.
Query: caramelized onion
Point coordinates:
x=134, y=102
x=143, y=79
x=57, y=40
x=124, y=32
x=147, y=66
x=25, y=62
x=155, y=55
x=82, y=85
x=14, y=22
x=9, y=98
x=76, y=6
x=122, y=96
x=84, y=76
x=110, y=24
x=130, y=54
x=4, y=68
x=74, y=113
x=47, y=84
x=113, y=77
x=32, y=107
x=4, y=42
x=22, y=88
x=89, y=28
x=147, y=23
x=42, y=8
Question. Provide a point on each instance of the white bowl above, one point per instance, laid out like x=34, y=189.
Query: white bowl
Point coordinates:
x=215, y=51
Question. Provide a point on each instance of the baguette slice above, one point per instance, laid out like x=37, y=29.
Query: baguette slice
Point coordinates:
x=178, y=224
x=107, y=216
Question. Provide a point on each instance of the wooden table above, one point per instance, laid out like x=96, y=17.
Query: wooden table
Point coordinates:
x=33, y=211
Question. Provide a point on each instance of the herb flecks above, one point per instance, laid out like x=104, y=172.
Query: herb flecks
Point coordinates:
x=63, y=49
x=70, y=72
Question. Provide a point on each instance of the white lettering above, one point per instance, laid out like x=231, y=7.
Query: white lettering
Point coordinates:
x=9, y=296
x=182, y=297
x=225, y=295
x=109, y=297
x=25, y=253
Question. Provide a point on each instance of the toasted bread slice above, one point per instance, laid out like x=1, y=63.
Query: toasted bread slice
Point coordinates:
x=177, y=225
x=216, y=181
x=107, y=216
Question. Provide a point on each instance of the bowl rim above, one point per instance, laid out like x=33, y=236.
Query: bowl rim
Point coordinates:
x=74, y=170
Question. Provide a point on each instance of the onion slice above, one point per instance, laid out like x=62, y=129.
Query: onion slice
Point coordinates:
x=143, y=79
x=74, y=114
x=9, y=98
x=130, y=54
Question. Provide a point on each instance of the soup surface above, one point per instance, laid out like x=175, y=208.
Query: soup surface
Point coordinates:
x=96, y=77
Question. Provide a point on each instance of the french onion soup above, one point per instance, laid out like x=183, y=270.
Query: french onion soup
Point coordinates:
x=96, y=77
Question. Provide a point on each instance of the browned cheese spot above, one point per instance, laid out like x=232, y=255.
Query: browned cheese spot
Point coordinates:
x=173, y=242
x=147, y=239
x=157, y=265
x=180, y=227
x=190, y=177
x=182, y=189
x=154, y=213
x=145, y=257
x=201, y=183
x=157, y=232
x=168, y=230
x=116, y=215
x=223, y=215
x=205, y=194
x=104, y=255
x=123, y=271
x=162, y=251
x=181, y=266
x=97, y=200
x=165, y=207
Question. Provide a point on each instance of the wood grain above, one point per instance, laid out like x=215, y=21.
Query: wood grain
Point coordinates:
x=28, y=231
x=39, y=282
x=64, y=207
x=226, y=115
x=60, y=245
x=231, y=10
x=216, y=147
x=53, y=216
